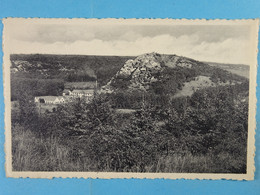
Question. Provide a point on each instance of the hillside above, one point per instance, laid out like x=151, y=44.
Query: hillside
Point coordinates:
x=41, y=74
x=168, y=74
x=239, y=69
x=72, y=68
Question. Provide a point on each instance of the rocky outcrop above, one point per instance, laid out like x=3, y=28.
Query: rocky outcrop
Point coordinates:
x=141, y=72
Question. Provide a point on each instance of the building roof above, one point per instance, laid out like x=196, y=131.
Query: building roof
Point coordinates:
x=49, y=98
x=80, y=85
x=83, y=91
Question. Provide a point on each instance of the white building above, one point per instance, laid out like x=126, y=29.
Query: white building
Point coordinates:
x=49, y=99
x=82, y=92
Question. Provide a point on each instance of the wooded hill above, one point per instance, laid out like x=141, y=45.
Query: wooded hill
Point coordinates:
x=75, y=68
x=70, y=68
x=168, y=75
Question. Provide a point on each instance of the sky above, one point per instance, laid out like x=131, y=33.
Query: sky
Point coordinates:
x=212, y=43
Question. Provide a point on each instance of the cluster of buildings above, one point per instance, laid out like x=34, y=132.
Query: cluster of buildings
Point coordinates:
x=69, y=95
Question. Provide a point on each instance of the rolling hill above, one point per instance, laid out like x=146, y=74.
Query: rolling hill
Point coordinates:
x=168, y=74
x=239, y=69
x=152, y=72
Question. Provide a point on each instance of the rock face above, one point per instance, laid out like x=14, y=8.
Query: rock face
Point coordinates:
x=140, y=73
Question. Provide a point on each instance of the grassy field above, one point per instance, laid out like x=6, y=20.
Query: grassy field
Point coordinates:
x=39, y=153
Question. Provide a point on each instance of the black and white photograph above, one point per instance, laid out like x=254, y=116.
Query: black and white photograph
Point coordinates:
x=123, y=98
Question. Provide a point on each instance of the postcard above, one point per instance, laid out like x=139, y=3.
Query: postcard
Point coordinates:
x=130, y=98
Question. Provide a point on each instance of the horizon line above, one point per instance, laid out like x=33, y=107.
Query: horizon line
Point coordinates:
x=126, y=56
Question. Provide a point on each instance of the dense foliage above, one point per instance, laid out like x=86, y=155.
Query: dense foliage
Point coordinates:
x=211, y=124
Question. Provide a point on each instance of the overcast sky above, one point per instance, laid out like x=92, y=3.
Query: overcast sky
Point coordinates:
x=215, y=43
